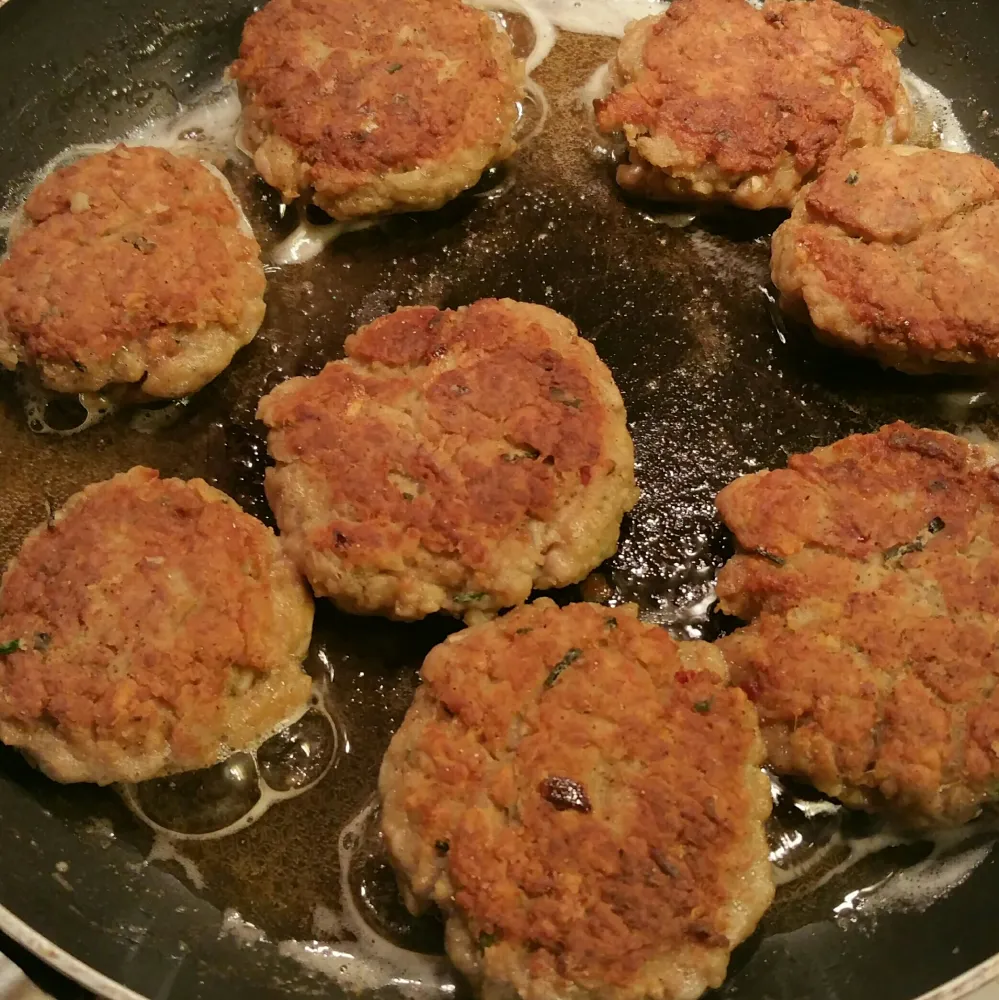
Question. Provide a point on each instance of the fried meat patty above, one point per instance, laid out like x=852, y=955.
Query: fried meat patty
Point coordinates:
x=869, y=573
x=582, y=797
x=719, y=100
x=131, y=267
x=389, y=105
x=453, y=460
x=894, y=253
x=150, y=626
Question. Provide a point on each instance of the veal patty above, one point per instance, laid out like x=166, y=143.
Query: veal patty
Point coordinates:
x=453, y=460
x=869, y=573
x=149, y=627
x=894, y=253
x=582, y=797
x=385, y=106
x=720, y=100
x=131, y=267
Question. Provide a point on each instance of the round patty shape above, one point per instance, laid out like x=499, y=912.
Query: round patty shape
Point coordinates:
x=453, y=460
x=895, y=253
x=132, y=267
x=151, y=626
x=389, y=105
x=869, y=571
x=722, y=101
x=582, y=797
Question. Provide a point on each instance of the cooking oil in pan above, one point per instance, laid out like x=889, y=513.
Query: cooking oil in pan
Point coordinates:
x=361, y=935
x=238, y=791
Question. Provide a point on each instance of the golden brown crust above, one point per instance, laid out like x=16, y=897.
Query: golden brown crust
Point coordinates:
x=721, y=100
x=157, y=627
x=895, y=253
x=133, y=266
x=869, y=573
x=393, y=105
x=583, y=798
x=453, y=460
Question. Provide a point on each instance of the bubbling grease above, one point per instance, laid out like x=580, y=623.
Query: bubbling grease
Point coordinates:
x=811, y=845
x=814, y=841
x=234, y=794
x=359, y=958
x=937, y=126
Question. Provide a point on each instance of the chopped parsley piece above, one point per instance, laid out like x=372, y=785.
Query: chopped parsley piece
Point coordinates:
x=486, y=940
x=703, y=706
x=566, y=661
x=469, y=597
x=524, y=631
x=395, y=67
x=769, y=556
x=852, y=177
x=10, y=647
x=937, y=524
x=664, y=864
x=42, y=640
x=560, y=396
x=897, y=551
x=407, y=496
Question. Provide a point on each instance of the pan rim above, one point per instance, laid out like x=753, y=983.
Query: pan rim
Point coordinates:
x=60, y=959
x=963, y=987
x=960, y=988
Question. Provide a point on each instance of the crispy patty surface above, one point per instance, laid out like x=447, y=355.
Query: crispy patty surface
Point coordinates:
x=719, y=100
x=582, y=797
x=869, y=573
x=130, y=267
x=150, y=626
x=453, y=460
x=389, y=105
x=894, y=253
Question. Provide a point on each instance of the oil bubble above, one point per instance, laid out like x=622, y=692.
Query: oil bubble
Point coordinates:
x=374, y=892
x=200, y=802
x=299, y=755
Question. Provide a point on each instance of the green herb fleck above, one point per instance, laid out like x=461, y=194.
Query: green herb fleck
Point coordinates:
x=937, y=524
x=559, y=395
x=703, y=707
x=407, y=496
x=664, y=864
x=395, y=67
x=852, y=177
x=10, y=647
x=897, y=551
x=486, y=940
x=769, y=556
x=524, y=631
x=469, y=597
x=610, y=622
x=566, y=661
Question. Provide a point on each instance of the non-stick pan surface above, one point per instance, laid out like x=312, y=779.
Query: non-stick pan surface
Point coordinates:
x=713, y=387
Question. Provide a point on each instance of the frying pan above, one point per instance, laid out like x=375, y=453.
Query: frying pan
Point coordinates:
x=714, y=387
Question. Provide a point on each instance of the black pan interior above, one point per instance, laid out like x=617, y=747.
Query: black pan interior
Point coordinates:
x=714, y=388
